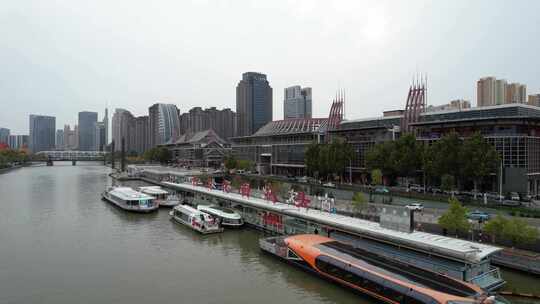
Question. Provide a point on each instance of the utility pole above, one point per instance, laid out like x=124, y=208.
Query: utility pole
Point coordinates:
x=123, y=156
x=500, y=181
x=112, y=154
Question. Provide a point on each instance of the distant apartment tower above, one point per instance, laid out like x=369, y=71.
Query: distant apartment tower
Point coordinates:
x=197, y=119
x=164, y=123
x=4, y=136
x=516, y=93
x=500, y=91
x=141, y=138
x=458, y=104
x=253, y=103
x=42, y=133
x=534, y=100
x=99, y=136
x=70, y=138
x=134, y=130
x=485, y=91
x=121, y=120
x=101, y=133
x=87, y=127
x=297, y=102
x=17, y=142
x=60, y=139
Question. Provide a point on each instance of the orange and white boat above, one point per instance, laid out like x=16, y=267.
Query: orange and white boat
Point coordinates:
x=386, y=280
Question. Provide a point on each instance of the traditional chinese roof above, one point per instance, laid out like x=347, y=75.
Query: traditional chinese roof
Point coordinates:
x=293, y=126
x=201, y=137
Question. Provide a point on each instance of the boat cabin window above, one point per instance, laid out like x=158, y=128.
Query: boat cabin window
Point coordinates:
x=292, y=256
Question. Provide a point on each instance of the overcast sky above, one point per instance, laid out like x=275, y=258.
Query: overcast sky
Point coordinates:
x=61, y=57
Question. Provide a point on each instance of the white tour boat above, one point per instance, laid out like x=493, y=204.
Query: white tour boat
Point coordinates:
x=129, y=199
x=195, y=219
x=163, y=197
x=228, y=217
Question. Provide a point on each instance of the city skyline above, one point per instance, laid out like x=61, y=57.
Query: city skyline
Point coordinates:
x=368, y=48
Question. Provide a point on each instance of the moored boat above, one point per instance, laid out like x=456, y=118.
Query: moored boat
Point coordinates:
x=195, y=219
x=386, y=280
x=128, y=199
x=228, y=217
x=162, y=196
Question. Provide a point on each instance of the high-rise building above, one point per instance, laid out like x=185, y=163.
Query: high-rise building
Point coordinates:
x=101, y=133
x=106, y=125
x=164, y=123
x=4, y=136
x=458, y=104
x=99, y=136
x=17, y=142
x=60, y=139
x=87, y=127
x=134, y=130
x=121, y=120
x=70, y=138
x=516, y=93
x=500, y=91
x=42, y=133
x=197, y=119
x=253, y=103
x=485, y=92
x=534, y=100
x=141, y=138
x=297, y=102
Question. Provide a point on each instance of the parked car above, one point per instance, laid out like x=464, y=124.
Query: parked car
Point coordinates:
x=329, y=184
x=303, y=179
x=415, y=207
x=240, y=171
x=416, y=188
x=382, y=190
x=511, y=203
x=478, y=216
x=514, y=196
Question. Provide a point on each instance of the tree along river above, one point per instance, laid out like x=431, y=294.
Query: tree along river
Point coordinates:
x=60, y=243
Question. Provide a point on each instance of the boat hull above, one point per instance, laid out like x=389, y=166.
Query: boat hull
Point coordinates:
x=125, y=207
x=206, y=231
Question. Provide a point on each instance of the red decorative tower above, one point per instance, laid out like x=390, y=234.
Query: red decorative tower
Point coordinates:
x=416, y=104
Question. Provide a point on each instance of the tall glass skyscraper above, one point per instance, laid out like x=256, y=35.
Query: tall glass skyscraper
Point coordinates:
x=164, y=123
x=87, y=130
x=42, y=133
x=253, y=103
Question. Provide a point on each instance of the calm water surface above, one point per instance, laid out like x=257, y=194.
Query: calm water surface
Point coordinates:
x=59, y=243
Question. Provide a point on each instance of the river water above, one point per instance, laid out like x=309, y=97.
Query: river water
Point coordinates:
x=60, y=243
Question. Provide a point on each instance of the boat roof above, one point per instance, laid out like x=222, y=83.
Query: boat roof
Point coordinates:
x=190, y=210
x=153, y=190
x=444, y=246
x=219, y=211
x=127, y=193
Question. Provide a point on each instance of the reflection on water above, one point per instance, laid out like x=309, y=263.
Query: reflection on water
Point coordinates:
x=60, y=243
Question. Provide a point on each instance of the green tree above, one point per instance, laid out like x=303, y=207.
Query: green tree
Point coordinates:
x=446, y=152
x=479, y=158
x=519, y=232
x=448, y=183
x=406, y=157
x=312, y=158
x=359, y=202
x=230, y=162
x=244, y=164
x=455, y=218
x=495, y=227
x=428, y=163
x=378, y=157
x=376, y=177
